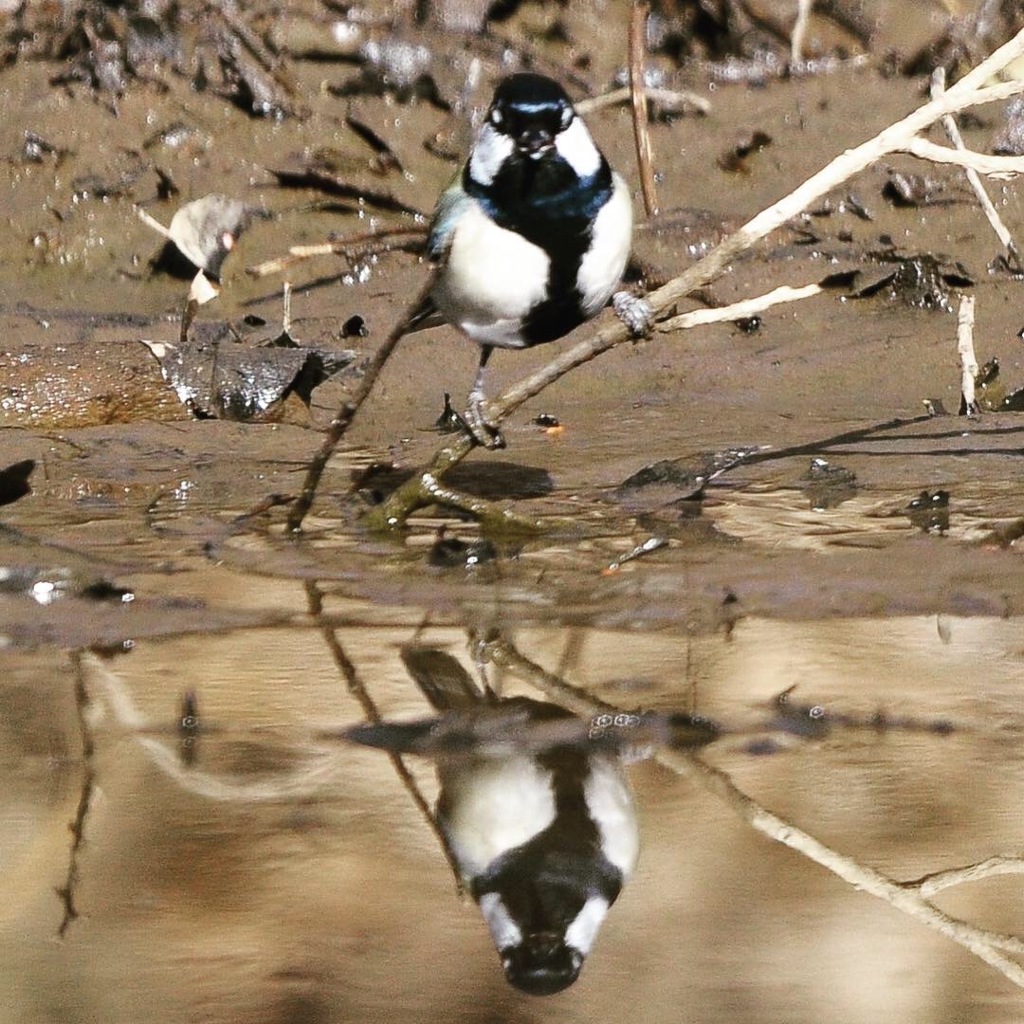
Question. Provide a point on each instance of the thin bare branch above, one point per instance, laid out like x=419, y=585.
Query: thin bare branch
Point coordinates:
x=638, y=97
x=1001, y=864
x=344, y=416
x=968, y=360
x=68, y=892
x=423, y=488
x=357, y=688
x=360, y=246
x=739, y=310
x=987, y=206
x=672, y=100
x=1004, y=167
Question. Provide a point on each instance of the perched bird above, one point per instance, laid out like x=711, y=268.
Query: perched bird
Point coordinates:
x=541, y=825
x=532, y=237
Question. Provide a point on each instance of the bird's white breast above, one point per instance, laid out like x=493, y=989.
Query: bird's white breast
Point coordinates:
x=603, y=264
x=490, y=280
x=495, y=807
x=610, y=803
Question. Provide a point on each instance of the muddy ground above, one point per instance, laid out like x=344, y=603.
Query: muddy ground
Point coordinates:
x=130, y=540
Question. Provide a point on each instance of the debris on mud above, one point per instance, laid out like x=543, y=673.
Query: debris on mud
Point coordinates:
x=673, y=480
x=14, y=481
x=202, y=233
x=826, y=485
x=220, y=379
x=929, y=511
x=920, y=280
x=454, y=553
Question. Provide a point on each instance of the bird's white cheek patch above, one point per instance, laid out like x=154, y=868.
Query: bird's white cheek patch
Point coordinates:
x=504, y=931
x=610, y=802
x=581, y=933
x=577, y=149
x=490, y=151
x=612, y=236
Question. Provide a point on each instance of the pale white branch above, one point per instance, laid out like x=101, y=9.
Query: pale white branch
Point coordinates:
x=1001, y=864
x=1004, y=167
x=739, y=310
x=973, y=177
x=965, y=349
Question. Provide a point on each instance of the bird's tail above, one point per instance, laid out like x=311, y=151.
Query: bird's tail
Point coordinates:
x=442, y=679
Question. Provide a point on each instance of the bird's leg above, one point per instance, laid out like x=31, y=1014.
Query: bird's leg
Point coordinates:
x=483, y=432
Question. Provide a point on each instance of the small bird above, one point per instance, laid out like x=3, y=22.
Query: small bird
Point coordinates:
x=532, y=237
x=543, y=832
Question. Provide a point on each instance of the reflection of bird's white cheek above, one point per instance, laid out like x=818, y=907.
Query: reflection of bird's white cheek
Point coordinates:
x=583, y=930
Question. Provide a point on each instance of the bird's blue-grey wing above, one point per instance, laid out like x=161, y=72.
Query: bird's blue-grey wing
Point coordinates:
x=450, y=208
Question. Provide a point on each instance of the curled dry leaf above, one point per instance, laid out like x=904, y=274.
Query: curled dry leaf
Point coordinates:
x=203, y=231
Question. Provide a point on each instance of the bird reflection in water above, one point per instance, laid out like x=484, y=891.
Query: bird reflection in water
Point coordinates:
x=535, y=809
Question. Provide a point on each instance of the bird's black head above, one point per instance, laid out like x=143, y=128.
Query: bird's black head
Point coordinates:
x=542, y=964
x=531, y=110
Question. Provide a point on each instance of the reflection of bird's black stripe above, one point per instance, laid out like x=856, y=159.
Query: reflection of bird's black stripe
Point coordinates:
x=549, y=878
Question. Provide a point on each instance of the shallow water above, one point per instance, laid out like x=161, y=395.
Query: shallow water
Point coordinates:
x=263, y=871
x=274, y=875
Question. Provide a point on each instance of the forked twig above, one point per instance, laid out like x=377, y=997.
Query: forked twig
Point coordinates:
x=357, y=688
x=973, y=177
x=1001, y=864
x=423, y=488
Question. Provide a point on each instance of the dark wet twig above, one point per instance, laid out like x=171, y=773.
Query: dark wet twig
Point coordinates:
x=638, y=98
x=357, y=688
x=908, y=897
x=346, y=414
x=66, y=892
x=269, y=502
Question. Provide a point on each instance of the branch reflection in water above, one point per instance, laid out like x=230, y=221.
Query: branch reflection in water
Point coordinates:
x=545, y=909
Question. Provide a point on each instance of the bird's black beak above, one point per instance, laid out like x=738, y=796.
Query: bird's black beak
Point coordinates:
x=542, y=965
x=534, y=142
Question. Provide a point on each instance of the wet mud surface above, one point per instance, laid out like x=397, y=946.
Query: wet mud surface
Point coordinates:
x=866, y=549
